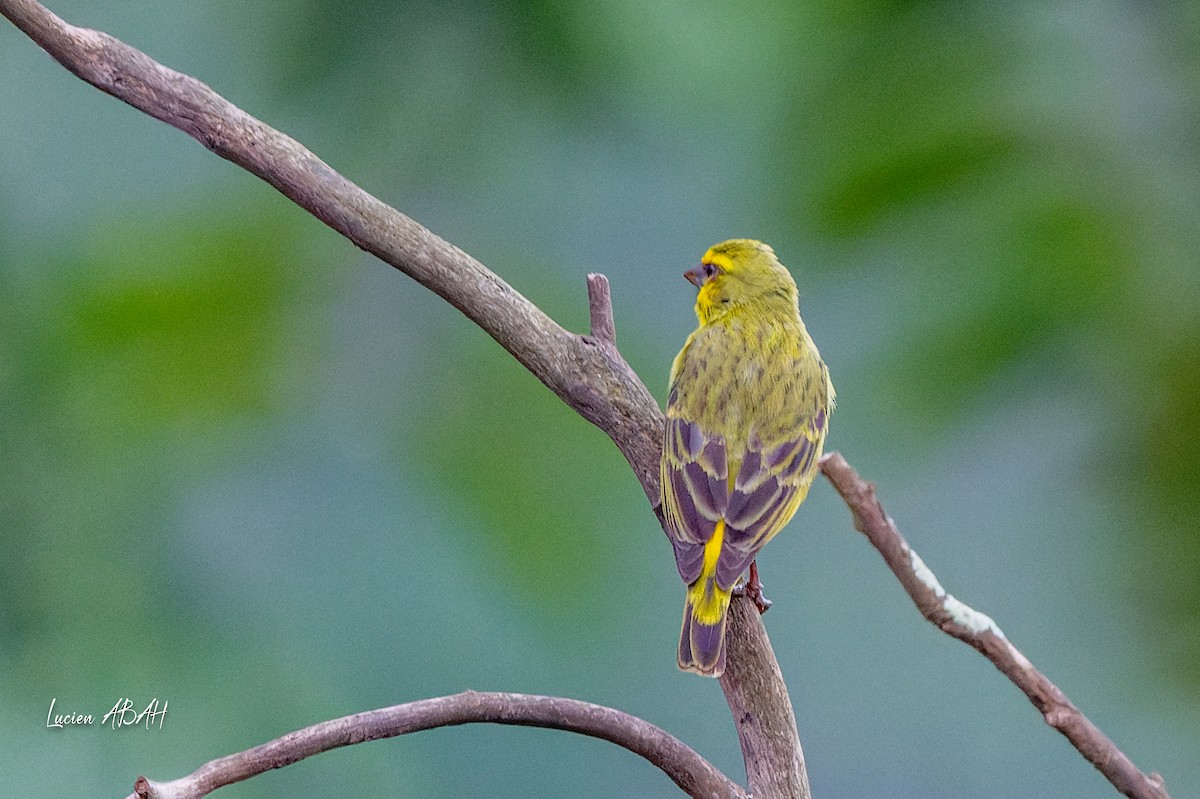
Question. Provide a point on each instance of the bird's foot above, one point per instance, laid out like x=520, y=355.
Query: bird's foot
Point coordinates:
x=754, y=590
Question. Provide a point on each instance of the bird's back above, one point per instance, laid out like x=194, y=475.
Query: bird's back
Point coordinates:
x=750, y=375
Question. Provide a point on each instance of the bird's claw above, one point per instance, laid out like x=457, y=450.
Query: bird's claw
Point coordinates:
x=754, y=590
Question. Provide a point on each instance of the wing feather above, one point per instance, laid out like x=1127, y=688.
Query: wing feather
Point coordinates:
x=695, y=490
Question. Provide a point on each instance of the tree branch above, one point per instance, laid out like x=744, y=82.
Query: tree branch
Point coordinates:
x=770, y=743
x=972, y=627
x=695, y=775
x=586, y=372
x=589, y=379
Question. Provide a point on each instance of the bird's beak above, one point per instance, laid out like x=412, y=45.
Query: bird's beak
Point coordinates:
x=695, y=275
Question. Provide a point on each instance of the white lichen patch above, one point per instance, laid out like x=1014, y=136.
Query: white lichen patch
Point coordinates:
x=925, y=575
x=968, y=617
x=962, y=614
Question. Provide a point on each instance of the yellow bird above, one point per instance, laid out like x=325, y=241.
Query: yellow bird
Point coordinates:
x=747, y=412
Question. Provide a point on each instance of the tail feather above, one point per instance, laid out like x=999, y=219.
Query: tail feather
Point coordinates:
x=702, y=639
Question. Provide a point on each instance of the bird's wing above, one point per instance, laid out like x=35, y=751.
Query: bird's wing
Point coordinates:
x=771, y=482
x=695, y=490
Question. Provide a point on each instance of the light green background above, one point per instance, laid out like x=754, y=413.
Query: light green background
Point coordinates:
x=248, y=470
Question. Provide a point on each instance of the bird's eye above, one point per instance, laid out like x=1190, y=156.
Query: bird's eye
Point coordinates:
x=710, y=271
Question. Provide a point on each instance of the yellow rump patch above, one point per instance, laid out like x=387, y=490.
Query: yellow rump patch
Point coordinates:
x=708, y=600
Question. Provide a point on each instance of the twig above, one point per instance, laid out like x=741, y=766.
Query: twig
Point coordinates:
x=969, y=625
x=586, y=372
x=600, y=305
x=695, y=775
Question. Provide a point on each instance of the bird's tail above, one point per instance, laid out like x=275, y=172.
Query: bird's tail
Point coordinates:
x=702, y=639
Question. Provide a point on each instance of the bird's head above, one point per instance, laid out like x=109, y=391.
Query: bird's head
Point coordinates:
x=737, y=273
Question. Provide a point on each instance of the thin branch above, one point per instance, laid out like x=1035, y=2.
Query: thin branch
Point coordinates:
x=586, y=372
x=972, y=627
x=695, y=775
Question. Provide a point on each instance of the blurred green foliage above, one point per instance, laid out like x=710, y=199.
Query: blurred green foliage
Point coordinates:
x=512, y=481
x=250, y=471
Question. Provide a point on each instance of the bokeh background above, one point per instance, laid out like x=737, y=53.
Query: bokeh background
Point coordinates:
x=249, y=470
